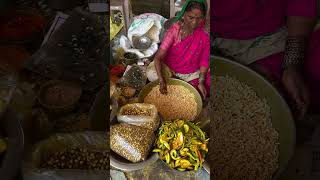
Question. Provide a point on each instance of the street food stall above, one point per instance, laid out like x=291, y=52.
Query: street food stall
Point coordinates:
x=151, y=134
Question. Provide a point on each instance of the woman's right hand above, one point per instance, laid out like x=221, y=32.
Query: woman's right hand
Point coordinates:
x=163, y=86
x=295, y=86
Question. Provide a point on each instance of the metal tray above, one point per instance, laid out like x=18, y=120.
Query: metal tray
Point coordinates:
x=171, y=81
x=281, y=116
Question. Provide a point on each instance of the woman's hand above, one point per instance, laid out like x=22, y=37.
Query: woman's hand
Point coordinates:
x=202, y=90
x=163, y=86
x=295, y=86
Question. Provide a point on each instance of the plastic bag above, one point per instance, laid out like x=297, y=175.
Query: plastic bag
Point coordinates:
x=147, y=23
x=140, y=114
x=126, y=44
x=152, y=73
x=151, y=50
x=140, y=27
x=131, y=142
x=135, y=77
x=117, y=175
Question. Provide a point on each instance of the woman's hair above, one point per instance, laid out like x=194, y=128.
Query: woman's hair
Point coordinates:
x=196, y=5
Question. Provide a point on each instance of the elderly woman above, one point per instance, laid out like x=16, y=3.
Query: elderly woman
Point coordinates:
x=185, y=48
x=276, y=38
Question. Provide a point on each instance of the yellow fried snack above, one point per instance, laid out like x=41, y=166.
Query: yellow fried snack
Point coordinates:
x=182, y=145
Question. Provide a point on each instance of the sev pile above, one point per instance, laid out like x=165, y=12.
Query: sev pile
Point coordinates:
x=178, y=103
x=243, y=145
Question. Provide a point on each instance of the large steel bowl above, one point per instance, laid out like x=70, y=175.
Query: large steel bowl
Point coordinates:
x=281, y=116
x=147, y=89
x=120, y=163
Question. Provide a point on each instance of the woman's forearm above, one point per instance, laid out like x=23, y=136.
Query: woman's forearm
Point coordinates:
x=203, y=73
x=300, y=26
x=157, y=62
x=299, y=31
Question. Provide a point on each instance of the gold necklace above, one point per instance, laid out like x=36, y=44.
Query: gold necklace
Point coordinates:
x=184, y=33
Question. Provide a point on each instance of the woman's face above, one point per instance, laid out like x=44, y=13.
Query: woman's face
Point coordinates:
x=193, y=18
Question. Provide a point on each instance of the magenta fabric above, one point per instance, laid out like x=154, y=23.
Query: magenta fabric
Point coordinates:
x=247, y=19
x=187, y=55
x=272, y=65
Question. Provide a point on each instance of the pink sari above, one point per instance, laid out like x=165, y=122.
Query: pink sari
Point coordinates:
x=249, y=19
x=186, y=56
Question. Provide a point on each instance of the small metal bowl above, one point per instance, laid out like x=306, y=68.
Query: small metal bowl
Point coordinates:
x=142, y=43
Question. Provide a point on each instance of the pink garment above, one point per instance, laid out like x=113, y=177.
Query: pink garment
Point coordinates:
x=272, y=65
x=187, y=55
x=247, y=19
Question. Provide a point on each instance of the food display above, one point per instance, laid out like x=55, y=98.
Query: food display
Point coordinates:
x=77, y=158
x=131, y=142
x=245, y=144
x=140, y=114
x=112, y=88
x=128, y=92
x=136, y=111
x=178, y=103
x=141, y=109
x=182, y=145
x=135, y=77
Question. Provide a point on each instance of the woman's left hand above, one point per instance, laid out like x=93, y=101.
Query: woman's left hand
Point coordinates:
x=202, y=90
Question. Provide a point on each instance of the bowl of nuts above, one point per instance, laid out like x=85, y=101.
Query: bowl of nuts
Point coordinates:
x=77, y=151
x=59, y=96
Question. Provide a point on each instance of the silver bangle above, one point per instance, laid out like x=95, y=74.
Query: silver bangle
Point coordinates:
x=294, y=52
